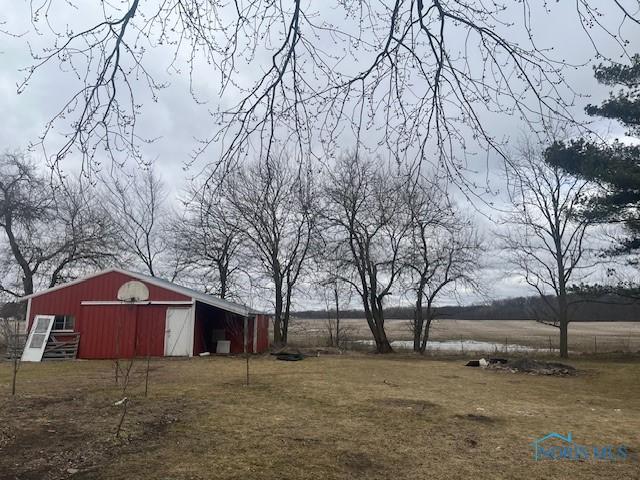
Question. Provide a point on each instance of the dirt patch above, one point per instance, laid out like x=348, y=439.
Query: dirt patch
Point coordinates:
x=473, y=417
x=42, y=402
x=306, y=440
x=356, y=461
x=39, y=440
x=415, y=406
x=50, y=451
x=535, y=367
x=470, y=442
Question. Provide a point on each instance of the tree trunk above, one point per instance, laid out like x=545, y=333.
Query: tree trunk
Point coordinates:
x=27, y=283
x=563, y=313
x=425, y=337
x=374, y=314
x=15, y=370
x=285, y=330
x=335, y=294
x=330, y=329
x=383, y=345
x=418, y=323
x=427, y=326
x=564, y=326
x=564, y=344
x=27, y=279
x=380, y=335
x=222, y=273
x=277, y=319
x=563, y=306
x=286, y=316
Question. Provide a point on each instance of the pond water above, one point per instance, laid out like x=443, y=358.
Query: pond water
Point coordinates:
x=461, y=346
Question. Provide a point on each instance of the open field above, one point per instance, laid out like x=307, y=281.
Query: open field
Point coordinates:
x=583, y=336
x=331, y=417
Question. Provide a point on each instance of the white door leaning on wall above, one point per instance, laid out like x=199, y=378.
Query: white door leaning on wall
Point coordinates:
x=178, y=338
x=37, y=340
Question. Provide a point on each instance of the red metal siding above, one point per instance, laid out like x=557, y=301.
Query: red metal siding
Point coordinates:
x=112, y=331
x=235, y=334
x=150, y=330
x=263, y=333
x=251, y=324
x=104, y=287
x=99, y=324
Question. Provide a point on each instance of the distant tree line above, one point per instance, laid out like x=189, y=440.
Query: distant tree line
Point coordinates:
x=605, y=308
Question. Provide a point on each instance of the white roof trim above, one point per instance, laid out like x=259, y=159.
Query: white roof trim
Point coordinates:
x=188, y=292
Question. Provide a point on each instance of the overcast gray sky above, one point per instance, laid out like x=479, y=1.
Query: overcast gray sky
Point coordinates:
x=177, y=121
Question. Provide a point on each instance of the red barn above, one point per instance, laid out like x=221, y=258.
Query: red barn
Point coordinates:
x=173, y=321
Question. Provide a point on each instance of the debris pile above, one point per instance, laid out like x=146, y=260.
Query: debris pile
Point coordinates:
x=485, y=363
x=537, y=367
x=524, y=365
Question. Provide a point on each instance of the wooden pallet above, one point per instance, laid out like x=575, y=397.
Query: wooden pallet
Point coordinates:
x=59, y=349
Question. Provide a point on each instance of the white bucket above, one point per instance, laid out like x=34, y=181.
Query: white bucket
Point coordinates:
x=223, y=346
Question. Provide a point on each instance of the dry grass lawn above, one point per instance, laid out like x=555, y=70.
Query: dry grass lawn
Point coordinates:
x=332, y=417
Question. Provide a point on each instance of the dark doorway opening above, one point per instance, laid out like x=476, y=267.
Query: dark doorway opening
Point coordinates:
x=213, y=325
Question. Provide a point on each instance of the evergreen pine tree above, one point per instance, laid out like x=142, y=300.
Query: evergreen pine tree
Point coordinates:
x=615, y=166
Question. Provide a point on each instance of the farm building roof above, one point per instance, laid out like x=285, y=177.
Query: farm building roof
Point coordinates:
x=159, y=282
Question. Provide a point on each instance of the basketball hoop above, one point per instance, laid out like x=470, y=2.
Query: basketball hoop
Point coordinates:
x=133, y=291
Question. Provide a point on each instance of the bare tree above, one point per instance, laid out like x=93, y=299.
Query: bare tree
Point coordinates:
x=431, y=72
x=443, y=254
x=11, y=337
x=89, y=233
x=544, y=236
x=366, y=214
x=335, y=291
x=211, y=240
x=137, y=205
x=52, y=231
x=273, y=204
x=11, y=317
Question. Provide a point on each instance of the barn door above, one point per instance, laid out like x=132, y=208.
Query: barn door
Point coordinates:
x=178, y=339
x=37, y=341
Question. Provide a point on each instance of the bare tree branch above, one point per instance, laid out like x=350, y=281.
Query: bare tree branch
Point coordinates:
x=412, y=77
x=544, y=235
x=52, y=231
